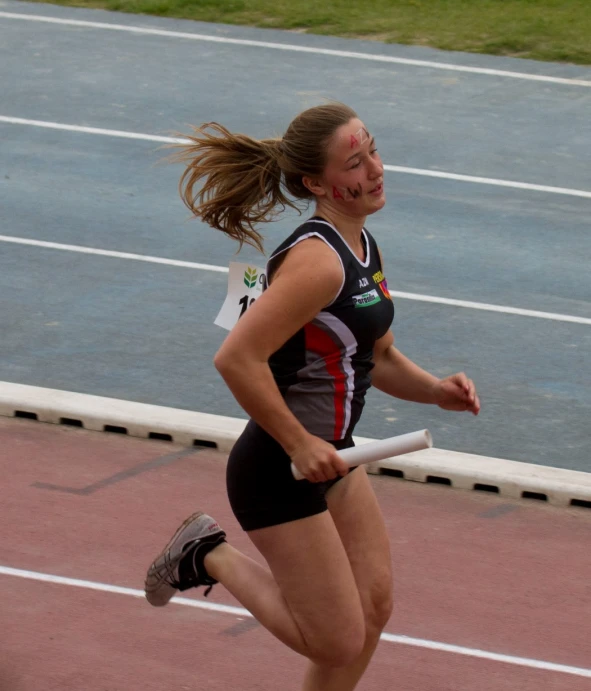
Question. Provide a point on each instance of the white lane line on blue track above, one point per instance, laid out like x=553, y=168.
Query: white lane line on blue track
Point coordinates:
x=395, y=169
x=240, y=612
x=298, y=49
x=112, y=253
x=223, y=269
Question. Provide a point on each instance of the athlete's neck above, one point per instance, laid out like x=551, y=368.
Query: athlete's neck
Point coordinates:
x=349, y=227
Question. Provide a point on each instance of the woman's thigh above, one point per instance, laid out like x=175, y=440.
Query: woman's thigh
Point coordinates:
x=359, y=521
x=311, y=567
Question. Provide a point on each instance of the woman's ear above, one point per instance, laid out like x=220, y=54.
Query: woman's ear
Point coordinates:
x=314, y=186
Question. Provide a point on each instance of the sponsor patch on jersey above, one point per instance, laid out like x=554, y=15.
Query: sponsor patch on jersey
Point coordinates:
x=367, y=299
x=380, y=279
x=384, y=286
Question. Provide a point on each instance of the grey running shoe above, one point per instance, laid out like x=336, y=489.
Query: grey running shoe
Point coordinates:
x=180, y=564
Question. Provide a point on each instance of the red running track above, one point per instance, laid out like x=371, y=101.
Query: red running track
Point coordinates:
x=471, y=570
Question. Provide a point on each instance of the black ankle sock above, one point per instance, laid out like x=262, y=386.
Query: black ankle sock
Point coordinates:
x=192, y=571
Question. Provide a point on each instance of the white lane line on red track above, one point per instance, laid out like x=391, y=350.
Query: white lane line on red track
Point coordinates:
x=404, y=170
x=240, y=612
x=297, y=49
x=503, y=309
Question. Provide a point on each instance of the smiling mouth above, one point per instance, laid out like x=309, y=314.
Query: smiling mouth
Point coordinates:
x=377, y=189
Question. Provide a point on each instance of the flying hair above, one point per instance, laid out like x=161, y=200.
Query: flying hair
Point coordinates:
x=234, y=182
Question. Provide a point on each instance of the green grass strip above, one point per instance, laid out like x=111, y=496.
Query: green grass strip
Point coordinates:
x=553, y=30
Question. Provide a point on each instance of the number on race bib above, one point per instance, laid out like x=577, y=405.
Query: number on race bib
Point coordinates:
x=245, y=304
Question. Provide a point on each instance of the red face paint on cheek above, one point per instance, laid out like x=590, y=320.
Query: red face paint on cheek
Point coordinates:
x=346, y=194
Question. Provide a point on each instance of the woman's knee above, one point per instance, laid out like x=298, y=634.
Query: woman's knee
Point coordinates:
x=378, y=605
x=344, y=644
x=339, y=650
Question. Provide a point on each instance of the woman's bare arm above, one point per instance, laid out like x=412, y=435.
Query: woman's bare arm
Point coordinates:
x=396, y=375
x=308, y=279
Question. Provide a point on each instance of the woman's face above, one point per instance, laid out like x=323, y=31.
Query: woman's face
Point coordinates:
x=352, y=181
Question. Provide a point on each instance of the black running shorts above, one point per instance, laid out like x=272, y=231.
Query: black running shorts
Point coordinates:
x=261, y=487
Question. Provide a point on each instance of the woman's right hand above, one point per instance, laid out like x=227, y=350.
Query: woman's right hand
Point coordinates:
x=317, y=460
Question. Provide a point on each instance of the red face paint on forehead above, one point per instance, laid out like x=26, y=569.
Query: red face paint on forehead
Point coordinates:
x=360, y=137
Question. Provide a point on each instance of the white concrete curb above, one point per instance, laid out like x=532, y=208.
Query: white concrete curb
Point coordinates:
x=512, y=479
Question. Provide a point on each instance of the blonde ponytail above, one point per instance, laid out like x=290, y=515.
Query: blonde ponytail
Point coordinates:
x=242, y=181
x=247, y=181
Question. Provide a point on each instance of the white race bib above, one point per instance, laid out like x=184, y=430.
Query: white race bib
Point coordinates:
x=245, y=285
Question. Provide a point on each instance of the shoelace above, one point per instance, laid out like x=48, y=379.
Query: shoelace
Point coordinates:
x=169, y=565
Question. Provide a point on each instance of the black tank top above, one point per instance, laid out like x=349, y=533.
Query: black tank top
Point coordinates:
x=323, y=371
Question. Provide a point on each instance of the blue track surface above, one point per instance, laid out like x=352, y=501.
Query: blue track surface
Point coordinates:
x=145, y=332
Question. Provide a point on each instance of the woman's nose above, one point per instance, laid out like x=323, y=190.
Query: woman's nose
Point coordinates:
x=376, y=168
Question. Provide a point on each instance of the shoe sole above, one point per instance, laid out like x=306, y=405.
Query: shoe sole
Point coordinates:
x=169, y=544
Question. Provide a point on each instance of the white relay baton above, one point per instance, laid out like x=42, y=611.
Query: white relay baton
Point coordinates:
x=378, y=450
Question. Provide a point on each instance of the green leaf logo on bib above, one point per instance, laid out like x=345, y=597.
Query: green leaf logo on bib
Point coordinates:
x=250, y=277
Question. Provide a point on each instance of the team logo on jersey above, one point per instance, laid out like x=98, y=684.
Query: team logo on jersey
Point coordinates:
x=384, y=288
x=380, y=279
x=363, y=282
x=367, y=299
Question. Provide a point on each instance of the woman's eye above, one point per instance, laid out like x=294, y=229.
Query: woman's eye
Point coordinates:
x=356, y=165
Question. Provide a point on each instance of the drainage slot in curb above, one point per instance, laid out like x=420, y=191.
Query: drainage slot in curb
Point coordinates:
x=436, y=480
x=392, y=472
x=115, y=429
x=160, y=435
x=581, y=502
x=25, y=414
x=204, y=442
x=71, y=422
x=534, y=495
x=486, y=488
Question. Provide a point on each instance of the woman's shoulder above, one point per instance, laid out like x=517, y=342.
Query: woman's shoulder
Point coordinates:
x=308, y=250
x=311, y=228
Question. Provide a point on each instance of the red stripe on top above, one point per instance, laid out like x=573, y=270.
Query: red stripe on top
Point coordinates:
x=319, y=342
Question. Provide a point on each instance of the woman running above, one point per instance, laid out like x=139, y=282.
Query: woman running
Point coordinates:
x=299, y=361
